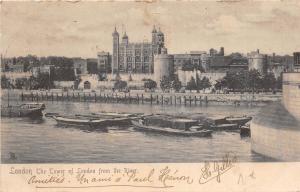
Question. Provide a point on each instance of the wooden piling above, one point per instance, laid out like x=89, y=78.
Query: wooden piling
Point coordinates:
x=142, y=98
x=195, y=99
x=151, y=99
x=162, y=99
x=190, y=98
x=175, y=100
x=157, y=101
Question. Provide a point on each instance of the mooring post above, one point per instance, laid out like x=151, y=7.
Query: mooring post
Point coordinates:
x=206, y=100
x=190, y=98
x=171, y=102
x=184, y=100
x=151, y=98
x=195, y=98
x=138, y=98
x=157, y=101
x=22, y=96
x=31, y=96
x=175, y=100
x=56, y=96
x=95, y=97
x=52, y=98
x=162, y=99
x=142, y=98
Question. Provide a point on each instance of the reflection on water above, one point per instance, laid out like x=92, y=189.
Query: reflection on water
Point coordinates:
x=27, y=140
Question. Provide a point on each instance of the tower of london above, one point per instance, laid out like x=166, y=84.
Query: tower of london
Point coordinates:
x=130, y=57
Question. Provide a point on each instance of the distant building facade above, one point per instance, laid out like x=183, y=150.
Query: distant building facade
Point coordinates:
x=80, y=66
x=104, y=62
x=297, y=60
x=135, y=57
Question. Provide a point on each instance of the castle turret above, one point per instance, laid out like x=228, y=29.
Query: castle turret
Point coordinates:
x=125, y=39
x=115, y=56
x=154, y=33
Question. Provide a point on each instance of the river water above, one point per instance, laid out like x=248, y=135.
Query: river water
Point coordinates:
x=42, y=141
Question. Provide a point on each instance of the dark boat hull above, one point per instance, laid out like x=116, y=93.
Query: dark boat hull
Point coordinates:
x=163, y=131
x=99, y=125
x=239, y=121
x=18, y=112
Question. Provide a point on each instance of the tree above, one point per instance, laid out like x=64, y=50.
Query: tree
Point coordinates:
x=269, y=81
x=4, y=82
x=165, y=83
x=176, y=84
x=279, y=82
x=191, y=85
x=150, y=84
x=220, y=84
x=254, y=80
x=120, y=85
x=198, y=83
x=20, y=83
x=205, y=83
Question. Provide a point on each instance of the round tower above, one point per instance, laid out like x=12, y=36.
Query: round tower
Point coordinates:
x=163, y=65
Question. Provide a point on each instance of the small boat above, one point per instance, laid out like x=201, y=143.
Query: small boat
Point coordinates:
x=240, y=121
x=245, y=131
x=23, y=110
x=195, y=131
x=86, y=123
x=224, y=127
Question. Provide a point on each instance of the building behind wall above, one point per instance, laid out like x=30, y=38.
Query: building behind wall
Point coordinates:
x=104, y=62
x=130, y=57
x=297, y=61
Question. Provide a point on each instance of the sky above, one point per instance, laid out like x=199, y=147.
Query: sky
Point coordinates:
x=81, y=29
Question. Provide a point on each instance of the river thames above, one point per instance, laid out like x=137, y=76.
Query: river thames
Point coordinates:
x=42, y=141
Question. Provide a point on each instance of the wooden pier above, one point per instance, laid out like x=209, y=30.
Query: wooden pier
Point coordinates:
x=127, y=98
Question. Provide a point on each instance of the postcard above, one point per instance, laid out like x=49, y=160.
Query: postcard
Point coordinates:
x=150, y=96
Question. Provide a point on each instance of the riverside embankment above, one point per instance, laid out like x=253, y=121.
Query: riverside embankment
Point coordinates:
x=141, y=97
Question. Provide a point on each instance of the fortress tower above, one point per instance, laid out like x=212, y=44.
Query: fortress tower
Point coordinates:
x=115, y=56
x=138, y=57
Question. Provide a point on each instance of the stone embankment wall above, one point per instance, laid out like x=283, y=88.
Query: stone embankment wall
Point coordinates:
x=275, y=131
